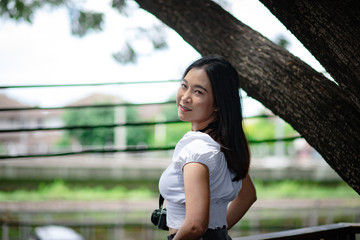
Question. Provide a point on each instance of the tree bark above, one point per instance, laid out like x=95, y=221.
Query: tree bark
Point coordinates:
x=330, y=31
x=315, y=106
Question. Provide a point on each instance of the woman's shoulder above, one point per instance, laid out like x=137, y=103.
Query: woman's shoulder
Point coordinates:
x=197, y=147
x=196, y=144
x=198, y=137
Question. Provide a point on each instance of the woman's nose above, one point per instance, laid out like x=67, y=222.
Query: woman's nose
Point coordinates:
x=187, y=96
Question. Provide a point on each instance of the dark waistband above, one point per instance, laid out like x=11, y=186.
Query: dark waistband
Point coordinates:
x=171, y=236
x=217, y=233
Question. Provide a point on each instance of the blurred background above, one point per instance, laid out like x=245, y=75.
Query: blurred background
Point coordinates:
x=88, y=123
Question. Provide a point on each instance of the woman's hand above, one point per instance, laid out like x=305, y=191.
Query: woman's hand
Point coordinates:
x=197, y=198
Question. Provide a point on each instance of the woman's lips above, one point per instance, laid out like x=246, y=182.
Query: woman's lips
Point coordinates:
x=185, y=109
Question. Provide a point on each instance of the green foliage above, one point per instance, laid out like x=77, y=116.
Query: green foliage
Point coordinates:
x=141, y=135
x=59, y=190
x=84, y=21
x=2, y=148
x=90, y=116
x=261, y=128
x=24, y=10
x=119, y=5
x=170, y=111
x=301, y=189
x=265, y=128
x=137, y=135
x=282, y=41
x=174, y=132
x=81, y=21
x=155, y=34
x=126, y=55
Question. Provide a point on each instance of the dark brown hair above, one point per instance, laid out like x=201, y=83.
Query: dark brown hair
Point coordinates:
x=228, y=129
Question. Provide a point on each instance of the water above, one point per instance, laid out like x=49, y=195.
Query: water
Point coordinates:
x=265, y=216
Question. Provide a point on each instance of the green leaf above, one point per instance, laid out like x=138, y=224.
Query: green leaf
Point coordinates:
x=82, y=22
x=126, y=55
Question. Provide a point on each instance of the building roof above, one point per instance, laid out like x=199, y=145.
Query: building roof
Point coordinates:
x=97, y=98
x=7, y=102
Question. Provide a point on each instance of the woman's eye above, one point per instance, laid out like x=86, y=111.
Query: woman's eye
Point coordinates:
x=198, y=92
x=183, y=85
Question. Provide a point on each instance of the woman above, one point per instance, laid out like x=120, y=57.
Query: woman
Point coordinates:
x=210, y=163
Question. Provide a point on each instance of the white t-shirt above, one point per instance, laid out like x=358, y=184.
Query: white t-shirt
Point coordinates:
x=198, y=147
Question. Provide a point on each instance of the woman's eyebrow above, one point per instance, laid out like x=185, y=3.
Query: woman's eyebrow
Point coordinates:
x=199, y=86
x=196, y=86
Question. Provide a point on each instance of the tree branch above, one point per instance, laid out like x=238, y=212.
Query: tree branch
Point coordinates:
x=330, y=31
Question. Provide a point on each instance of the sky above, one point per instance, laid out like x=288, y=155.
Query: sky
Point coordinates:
x=45, y=52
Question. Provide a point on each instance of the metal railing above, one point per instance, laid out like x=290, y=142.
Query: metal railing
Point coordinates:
x=338, y=231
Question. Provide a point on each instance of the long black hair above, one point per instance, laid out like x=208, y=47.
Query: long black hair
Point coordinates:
x=228, y=128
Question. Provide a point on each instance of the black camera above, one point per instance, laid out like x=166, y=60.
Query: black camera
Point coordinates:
x=158, y=218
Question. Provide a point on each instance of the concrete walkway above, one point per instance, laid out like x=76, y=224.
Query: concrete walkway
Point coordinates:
x=151, y=204
x=124, y=166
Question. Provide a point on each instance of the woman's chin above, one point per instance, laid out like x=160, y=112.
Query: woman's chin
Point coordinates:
x=182, y=117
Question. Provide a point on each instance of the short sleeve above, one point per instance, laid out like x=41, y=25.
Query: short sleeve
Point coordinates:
x=201, y=151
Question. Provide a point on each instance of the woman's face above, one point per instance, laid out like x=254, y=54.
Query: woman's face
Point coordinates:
x=195, y=100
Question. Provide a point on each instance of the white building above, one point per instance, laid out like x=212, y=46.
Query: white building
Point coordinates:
x=42, y=142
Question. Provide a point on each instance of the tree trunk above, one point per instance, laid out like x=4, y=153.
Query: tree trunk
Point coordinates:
x=315, y=106
x=330, y=31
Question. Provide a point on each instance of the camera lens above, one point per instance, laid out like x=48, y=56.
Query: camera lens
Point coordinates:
x=155, y=217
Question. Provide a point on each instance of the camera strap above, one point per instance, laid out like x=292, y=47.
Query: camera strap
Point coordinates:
x=161, y=201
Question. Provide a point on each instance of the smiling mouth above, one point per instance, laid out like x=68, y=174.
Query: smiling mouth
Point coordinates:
x=185, y=109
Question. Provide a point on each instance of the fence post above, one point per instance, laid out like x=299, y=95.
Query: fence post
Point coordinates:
x=5, y=231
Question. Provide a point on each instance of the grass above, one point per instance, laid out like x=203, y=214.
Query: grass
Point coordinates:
x=61, y=190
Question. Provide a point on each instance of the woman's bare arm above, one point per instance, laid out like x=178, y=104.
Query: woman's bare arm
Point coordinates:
x=241, y=204
x=197, y=197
